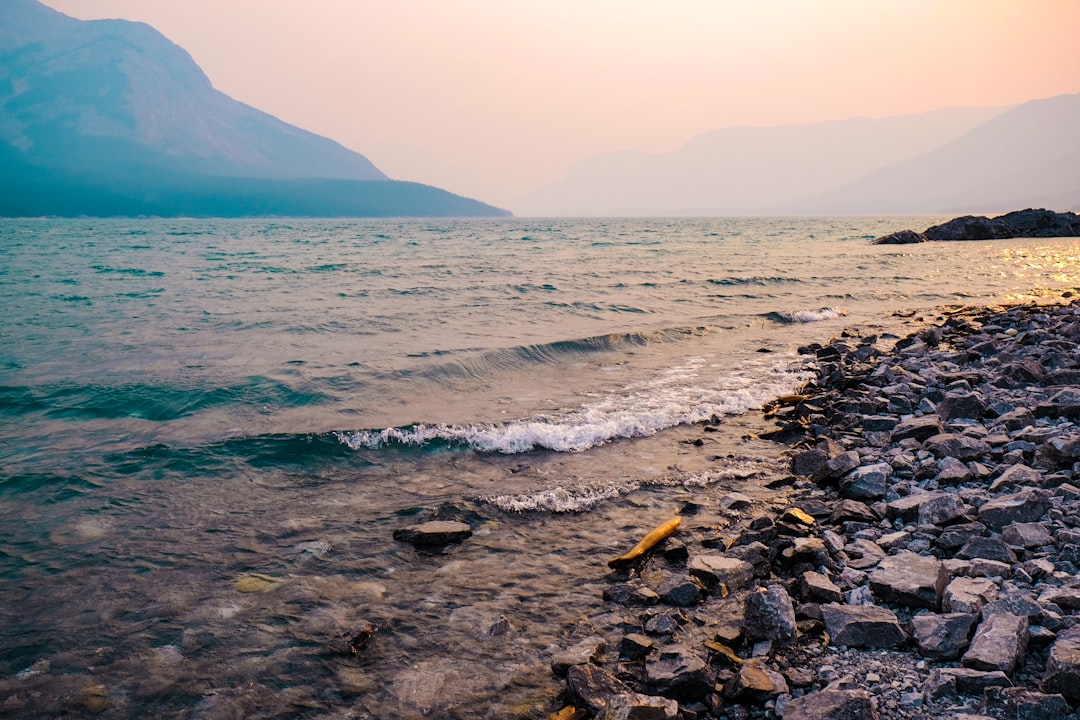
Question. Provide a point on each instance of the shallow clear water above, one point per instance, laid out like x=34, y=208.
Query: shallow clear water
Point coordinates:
x=183, y=402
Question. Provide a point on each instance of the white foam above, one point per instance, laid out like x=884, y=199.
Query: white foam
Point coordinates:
x=686, y=394
x=559, y=499
x=809, y=316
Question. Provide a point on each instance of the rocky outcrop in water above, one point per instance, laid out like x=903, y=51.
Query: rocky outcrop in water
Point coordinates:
x=928, y=562
x=1028, y=223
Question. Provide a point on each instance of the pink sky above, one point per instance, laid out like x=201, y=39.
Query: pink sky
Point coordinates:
x=492, y=98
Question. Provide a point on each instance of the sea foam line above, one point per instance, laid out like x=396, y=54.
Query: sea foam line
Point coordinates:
x=679, y=397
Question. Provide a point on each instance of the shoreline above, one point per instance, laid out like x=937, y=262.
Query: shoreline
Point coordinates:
x=899, y=580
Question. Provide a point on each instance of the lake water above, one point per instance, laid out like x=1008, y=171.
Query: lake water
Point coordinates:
x=185, y=403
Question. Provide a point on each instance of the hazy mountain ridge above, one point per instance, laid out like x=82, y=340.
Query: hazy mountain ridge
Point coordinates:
x=113, y=109
x=1012, y=157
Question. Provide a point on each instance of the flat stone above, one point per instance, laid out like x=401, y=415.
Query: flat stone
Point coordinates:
x=1063, y=666
x=951, y=682
x=589, y=650
x=849, y=509
x=832, y=705
x=770, y=615
x=837, y=466
x=1017, y=476
x=907, y=507
x=909, y=579
x=942, y=637
x=956, y=446
x=953, y=472
x=633, y=706
x=968, y=594
x=816, y=587
x=954, y=536
x=677, y=672
x=714, y=569
x=1065, y=597
x=755, y=683
x=941, y=509
x=635, y=646
x=436, y=532
x=1017, y=703
x=863, y=554
x=1026, y=535
x=1019, y=507
x=987, y=548
x=867, y=482
x=592, y=686
x=919, y=428
x=862, y=626
x=999, y=644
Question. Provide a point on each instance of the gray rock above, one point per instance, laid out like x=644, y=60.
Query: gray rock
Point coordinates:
x=956, y=446
x=592, y=687
x=907, y=507
x=632, y=706
x=1017, y=703
x=863, y=554
x=862, y=626
x=837, y=466
x=1026, y=535
x=970, y=227
x=942, y=637
x=1066, y=402
x=987, y=548
x=714, y=569
x=961, y=405
x=589, y=650
x=832, y=705
x=755, y=683
x=770, y=615
x=950, y=682
x=941, y=509
x=999, y=644
x=1063, y=666
x=633, y=593
x=867, y=482
x=1023, y=506
x=953, y=472
x=677, y=672
x=909, y=579
x=901, y=237
x=968, y=595
x=919, y=428
x=635, y=646
x=680, y=590
x=954, y=536
x=436, y=532
x=809, y=462
x=1058, y=453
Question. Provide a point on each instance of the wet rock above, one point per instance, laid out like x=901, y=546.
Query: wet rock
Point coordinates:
x=867, y=482
x=769, y=615
x=956, y=446
x=713, y=570
x=968, y=595
x=1017, y=703
x=755, y=683
x=970, y=227
x=635, y=646
x=951, y=682
x=1019, y=507
x=832, y=705
x=680, y=590
x=632, y=594
x=1063, y=666
x=677, y=672
x=901, y=237
x=999, y=644
x=589, y=650
x=809, y=462
x=633, y=706
x=909, y=579
x=436, y=532
x=942, y=637
x=862, y=626
x=592, y=687
x=1026, y=535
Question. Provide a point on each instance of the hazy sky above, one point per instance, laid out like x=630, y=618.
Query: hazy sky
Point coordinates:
x=492, y=98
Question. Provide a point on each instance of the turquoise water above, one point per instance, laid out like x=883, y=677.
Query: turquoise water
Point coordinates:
x=183, y=402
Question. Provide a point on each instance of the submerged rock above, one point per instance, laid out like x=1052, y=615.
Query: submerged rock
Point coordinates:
x=436, y=532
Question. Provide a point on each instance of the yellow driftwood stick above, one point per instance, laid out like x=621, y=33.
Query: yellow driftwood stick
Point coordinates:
x=647, y=543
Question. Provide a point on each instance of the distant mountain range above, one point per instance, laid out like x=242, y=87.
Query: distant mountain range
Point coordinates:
x=108, y=117
x=949, y=161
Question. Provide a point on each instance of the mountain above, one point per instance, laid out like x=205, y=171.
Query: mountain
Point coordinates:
x=111, y=114
x=1026, y=157
x=748, y=170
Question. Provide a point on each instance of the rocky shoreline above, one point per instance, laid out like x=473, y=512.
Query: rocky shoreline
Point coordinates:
x=925, y=564
x=1028, y=223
